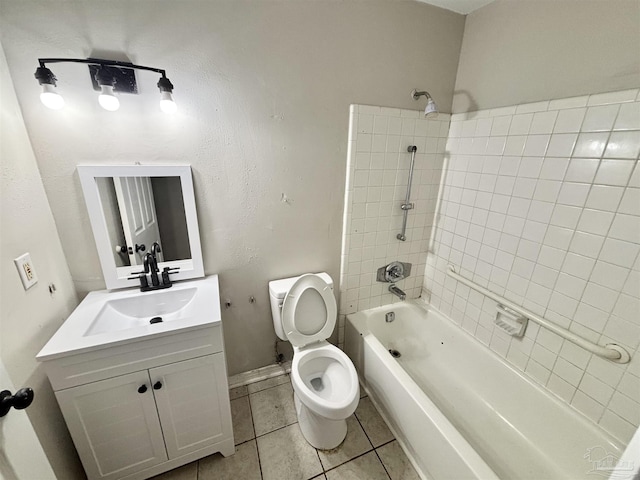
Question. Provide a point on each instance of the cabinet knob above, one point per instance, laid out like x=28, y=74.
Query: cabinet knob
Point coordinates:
x=157, y=385
x=142, y=389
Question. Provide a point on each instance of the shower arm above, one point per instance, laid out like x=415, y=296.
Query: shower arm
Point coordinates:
x=416, y=95
x=406, y=206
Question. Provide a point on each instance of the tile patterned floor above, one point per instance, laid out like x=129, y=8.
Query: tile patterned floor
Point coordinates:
x=270, y=446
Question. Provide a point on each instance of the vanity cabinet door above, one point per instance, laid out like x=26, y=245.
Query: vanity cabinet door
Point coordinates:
x=193, y=403
x=114, y=425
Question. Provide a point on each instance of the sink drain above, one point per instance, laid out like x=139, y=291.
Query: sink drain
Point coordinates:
x=155, y=320
x=394, y=353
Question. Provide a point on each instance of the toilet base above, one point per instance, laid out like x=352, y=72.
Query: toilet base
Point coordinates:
x=322, y=433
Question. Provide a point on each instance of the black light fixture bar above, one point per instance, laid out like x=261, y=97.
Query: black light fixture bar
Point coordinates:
x=102, y=63
x=107, y=76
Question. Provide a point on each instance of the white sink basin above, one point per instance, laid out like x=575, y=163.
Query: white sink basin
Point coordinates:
x=106, y=318
x=140, y=310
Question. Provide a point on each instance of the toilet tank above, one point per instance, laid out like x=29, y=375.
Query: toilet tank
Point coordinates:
x=278, y=289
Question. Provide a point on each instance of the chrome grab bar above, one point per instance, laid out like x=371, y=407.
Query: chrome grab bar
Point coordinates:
x=406, y=206
x=611, y=351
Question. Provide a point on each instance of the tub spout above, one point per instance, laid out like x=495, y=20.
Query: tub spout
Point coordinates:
x=397, y=292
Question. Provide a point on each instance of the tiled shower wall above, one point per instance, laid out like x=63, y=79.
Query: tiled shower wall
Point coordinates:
x=541, y=204
x=377, y=174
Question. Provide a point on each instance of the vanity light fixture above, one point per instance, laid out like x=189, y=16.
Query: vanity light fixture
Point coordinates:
x=108, y=77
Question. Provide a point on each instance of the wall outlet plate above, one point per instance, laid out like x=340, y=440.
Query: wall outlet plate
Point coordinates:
x=26, y=271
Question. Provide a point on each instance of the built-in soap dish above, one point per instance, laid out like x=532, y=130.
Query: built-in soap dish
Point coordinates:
x=511, y=322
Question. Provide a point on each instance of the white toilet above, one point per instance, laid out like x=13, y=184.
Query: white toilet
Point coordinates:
x=325, y=382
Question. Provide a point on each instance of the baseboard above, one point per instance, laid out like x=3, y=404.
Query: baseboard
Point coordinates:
x=262, y=373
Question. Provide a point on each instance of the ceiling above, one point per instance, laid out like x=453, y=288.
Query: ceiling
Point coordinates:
x=459, y=6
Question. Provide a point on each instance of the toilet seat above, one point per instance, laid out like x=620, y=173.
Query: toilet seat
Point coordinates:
x=309, y=311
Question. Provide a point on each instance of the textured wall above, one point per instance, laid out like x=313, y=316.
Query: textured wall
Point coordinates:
x=29, y=318
x=541, y=205
x=525, y=51
x=263, y=90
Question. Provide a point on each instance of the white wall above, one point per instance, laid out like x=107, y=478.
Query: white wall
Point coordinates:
x=517, y=51
x=541, y=205
x=21, y=455
x=263, y=90
x=377, y=175
x=29, y=318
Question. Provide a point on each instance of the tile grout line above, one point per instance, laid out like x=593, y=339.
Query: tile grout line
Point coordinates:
x=255, y=437
x=382, y=463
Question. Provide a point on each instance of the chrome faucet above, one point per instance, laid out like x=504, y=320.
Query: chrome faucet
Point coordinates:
x=397, y=292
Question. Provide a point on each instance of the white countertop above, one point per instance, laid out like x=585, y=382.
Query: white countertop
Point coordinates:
x=74, y=336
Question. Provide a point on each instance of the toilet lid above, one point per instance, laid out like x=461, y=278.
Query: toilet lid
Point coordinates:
x=308, y=311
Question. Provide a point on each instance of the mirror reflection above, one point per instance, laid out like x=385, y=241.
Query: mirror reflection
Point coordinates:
x=144, y=213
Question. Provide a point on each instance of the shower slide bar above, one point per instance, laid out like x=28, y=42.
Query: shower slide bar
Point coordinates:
x=406, y=206
x=611, y=351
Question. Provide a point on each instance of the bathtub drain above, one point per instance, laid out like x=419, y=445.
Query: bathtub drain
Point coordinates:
x=394, y=353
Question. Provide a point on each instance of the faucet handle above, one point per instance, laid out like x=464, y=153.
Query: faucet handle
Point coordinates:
x=144, y=281
x=165, y=274
x=393, y=272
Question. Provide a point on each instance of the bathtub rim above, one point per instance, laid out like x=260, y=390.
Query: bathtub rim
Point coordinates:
x=360, y=325
x=427, y=307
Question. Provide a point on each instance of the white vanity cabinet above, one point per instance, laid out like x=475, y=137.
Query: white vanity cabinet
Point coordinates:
x=142, y=408
x=115, y=427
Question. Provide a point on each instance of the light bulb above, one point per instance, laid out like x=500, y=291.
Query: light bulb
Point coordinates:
x=167, y=105
x=50, y=97
x=107, y=99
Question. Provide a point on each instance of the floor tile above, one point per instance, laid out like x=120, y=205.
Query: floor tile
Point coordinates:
x=373, y=424
x=268, y=383
x=365, y=467
x=187, y=472
x=242, y=420
x=238, y=392
x=396, y=462
x=286, y=455
x=244, y=464
x=355, y=443
x=273, y=408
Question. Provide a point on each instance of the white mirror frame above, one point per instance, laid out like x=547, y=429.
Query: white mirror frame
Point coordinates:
x=118, y=277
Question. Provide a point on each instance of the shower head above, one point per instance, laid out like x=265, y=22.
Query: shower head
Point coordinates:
x=431, y=111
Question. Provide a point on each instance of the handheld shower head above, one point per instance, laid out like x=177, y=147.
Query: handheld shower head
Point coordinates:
x=431, y=111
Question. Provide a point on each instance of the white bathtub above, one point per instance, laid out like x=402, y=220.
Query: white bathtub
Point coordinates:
x=459, y=409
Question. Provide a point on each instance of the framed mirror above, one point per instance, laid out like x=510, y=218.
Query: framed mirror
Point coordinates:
x=137, y=209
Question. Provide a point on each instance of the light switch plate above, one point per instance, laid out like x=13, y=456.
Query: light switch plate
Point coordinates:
x=26, y=271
